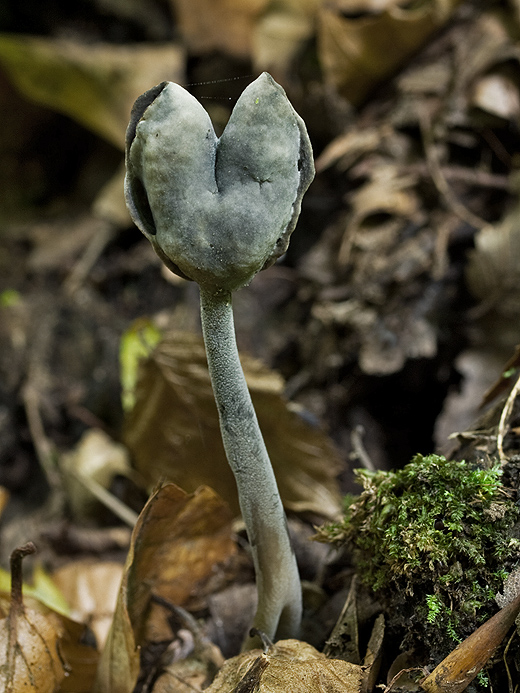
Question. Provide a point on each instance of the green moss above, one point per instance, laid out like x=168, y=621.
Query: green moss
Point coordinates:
x=433, y=541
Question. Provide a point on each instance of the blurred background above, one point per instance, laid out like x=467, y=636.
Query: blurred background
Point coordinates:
x=396, y=306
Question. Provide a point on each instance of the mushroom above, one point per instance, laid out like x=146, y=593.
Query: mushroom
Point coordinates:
x=217, y=211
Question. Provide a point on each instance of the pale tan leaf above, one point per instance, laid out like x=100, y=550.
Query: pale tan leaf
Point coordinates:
x=498, y=95
x=96, y=456
x=96, y=84
x=356, y=52
x=91, y=591
x=348, y=147
x=289, y=665
x=493, y=269
x=173, y=430
x=119, y=662
x=280, y=34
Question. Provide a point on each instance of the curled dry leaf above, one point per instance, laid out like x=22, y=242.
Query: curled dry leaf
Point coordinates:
x=511, y=589
x=289, y=665
x=173, y=430
x=356, y=52
x=52, y=654
x=175, y=544
x=381, y=257
x=193, y=673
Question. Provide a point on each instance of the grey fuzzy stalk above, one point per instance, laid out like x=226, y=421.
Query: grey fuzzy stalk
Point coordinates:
x=279, y=592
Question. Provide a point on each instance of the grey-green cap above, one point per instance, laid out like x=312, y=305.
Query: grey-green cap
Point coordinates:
x=217, y=210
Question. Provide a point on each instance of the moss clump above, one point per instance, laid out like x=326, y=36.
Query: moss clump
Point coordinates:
x=433, y=541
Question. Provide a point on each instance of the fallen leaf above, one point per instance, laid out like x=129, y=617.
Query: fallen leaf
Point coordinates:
x=498, y=95
x=288, y=665
x=492, y=271
x=511, y=589
x=41, y=651
x=173, y=430
x=356, y=52
x=374, y=653
x=218, y=25
x=35, y=664
x=91, y=590
x=504, y=381
x=96, y=84
x=29, y=658
x=280, y=34
x=80, y=659
x=56, y=245
x=345, y=149
x=4, y=499
x=177, y=541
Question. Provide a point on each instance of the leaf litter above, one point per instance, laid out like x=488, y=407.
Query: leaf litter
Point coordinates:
x=173, y=431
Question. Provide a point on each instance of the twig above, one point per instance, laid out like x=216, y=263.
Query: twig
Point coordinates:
x=438, y=178
x=122, y=511
x=506, y=412
x=36, y=383
x=469, y=176
x=509, y=678
x=359, y=452
x=43, y=447
x=94, y=249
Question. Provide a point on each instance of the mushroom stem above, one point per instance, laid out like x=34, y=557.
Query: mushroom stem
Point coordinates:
x=279, y=592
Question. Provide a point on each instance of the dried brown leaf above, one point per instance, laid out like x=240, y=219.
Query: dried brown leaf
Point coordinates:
x=493, y=269
x=190, y=674
x=357, y=52
x=175, y=544
x=41, y=651
x=173, y=430
x=289, y=665
x=29, y=657
x=80, y=659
